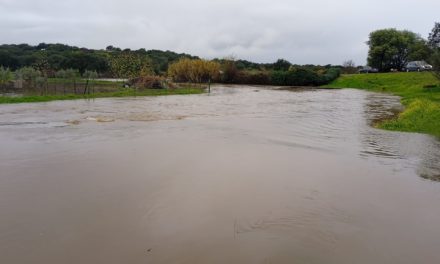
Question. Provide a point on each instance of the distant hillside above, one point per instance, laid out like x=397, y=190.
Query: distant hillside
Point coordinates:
x=60, y=56
x=113, y=62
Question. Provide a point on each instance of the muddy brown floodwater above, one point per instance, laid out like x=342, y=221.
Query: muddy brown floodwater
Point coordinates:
x=242, y=175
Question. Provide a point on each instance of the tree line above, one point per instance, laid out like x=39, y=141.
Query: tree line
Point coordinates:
x=56, y=57
x=281, y=73
x=391, y=49
x=53, y=60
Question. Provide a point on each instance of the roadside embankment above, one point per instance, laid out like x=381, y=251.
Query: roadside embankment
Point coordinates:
x=420, y=93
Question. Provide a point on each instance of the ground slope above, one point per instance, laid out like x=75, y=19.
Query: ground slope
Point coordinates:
x=420, y=92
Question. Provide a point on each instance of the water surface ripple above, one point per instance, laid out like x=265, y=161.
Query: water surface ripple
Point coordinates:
x=242, y=175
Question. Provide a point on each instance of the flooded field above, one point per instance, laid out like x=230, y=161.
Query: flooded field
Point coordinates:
x=242, y=175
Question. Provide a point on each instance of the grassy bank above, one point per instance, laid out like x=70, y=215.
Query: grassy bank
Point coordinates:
x=81, y=81
x=122, y=93
x=420, y=92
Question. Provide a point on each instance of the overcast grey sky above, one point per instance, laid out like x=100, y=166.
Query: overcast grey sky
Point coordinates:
x=303, y=32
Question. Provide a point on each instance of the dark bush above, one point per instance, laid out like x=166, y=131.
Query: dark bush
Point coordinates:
x=330, y=75
x=230, y=72
x=150, y=82
x=278, y=78
x=253, y=77
x=303, y=77
x=294, y=77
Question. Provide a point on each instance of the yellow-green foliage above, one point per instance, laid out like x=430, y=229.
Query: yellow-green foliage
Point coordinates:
x=196, y=71
x=420, y=92
x=130, y=65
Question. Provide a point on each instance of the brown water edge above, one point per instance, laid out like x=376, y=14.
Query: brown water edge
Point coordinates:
x=242, y=177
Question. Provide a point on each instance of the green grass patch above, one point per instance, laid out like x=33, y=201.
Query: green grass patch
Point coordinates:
x=83, y=81
x=420, y=92
x=121, y=93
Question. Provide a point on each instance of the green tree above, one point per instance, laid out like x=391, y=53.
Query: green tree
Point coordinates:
x=435, y=60
x=60, y=56
x=434, y=37
x=9, y=60
x=391, y=48
x=29, y=75
x=434, y=43
x=420, y=51
x=130, y=65
x=90, y=76
x=229, y=70
x=83, y=61
x=281, y=65
x=72, y=75
x=6, y=76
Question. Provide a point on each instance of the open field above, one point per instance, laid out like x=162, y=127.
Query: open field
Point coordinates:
x=121, y=93
x=420, y=92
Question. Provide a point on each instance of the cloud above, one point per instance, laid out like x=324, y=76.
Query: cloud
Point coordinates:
x=314, y=31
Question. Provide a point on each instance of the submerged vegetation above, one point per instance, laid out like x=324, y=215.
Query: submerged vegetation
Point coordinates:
x=129, y=92
x=420, y=92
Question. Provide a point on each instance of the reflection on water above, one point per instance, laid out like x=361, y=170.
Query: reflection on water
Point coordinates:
x=235, y=176
x=429, y=167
